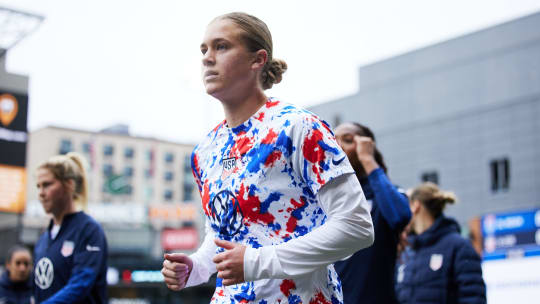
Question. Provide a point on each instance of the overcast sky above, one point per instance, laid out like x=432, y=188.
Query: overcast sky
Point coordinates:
x=94, y=63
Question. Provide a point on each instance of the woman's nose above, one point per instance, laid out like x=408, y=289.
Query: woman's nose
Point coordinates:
x=208, y=58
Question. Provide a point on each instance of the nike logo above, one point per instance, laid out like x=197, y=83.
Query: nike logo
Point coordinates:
x=92, y=248
x=337, y=162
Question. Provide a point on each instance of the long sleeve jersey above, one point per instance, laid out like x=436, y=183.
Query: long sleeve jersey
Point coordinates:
x=279, y=184
x=368, y=276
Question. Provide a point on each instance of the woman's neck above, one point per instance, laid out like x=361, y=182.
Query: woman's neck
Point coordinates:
x=239, y=110
x=58, y=217
x=424, y=222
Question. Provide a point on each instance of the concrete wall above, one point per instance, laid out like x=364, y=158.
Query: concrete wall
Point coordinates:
x=453, y=107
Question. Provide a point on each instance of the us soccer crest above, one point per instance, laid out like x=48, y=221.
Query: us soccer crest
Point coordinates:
x=229, y=164
x=436, y=261
x=67, y=248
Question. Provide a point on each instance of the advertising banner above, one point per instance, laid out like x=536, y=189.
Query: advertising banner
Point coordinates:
x=511, y=256
x=13, y=138
x=179, y=239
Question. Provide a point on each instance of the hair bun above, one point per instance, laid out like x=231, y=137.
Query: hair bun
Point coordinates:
x=447, y=197
x=273, y=73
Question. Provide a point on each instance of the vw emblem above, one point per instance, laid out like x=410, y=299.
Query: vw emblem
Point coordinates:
x=44, y=273
x=226, y=213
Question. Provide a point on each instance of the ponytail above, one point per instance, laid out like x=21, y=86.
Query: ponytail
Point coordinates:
x=431, y=197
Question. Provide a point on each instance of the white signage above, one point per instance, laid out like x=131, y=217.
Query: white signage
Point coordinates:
x=512, y=281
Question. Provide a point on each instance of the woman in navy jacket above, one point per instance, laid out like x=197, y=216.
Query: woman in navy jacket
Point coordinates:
x=441, y=266
x=16, y=282
x=71, y=256
x=368, y=275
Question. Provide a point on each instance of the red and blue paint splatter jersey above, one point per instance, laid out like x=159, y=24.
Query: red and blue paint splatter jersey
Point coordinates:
x=259, y=183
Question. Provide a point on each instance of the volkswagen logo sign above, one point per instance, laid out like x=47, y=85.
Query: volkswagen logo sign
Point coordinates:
x=226, y=213
x=44, y=273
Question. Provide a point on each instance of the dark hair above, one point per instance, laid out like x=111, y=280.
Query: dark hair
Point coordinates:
x=365, y=131
x=431, y=197
x=257, y=37
x=16, y=248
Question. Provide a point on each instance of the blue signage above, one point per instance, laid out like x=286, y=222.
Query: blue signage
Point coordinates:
x=512, y=222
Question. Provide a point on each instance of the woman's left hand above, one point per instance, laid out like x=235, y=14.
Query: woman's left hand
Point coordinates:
x=230, y=263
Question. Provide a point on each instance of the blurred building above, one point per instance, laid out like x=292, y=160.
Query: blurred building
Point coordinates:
x=143, y=193
x=463, y=113
x=16, y=25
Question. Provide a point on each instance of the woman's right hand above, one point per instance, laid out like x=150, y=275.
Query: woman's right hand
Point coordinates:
x=176, y=270
x=365, y=151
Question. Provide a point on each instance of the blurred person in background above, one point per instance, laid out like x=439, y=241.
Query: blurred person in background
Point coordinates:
x=368, y=276
x=71, y=255
x=16, y=282
x=281, y=200
x=441, y=266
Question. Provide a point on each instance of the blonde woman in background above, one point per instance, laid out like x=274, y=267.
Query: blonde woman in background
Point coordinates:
x=71, y=255
x=441, y=266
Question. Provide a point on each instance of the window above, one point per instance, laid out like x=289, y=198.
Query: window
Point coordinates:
x=86, y=147
x=108, y=150
x=168, y=195
x=500, y=174
x=148, y=192
x=148, y=173
x=129, y=152
x=149, y=155
x=430, y=176
x=107, y=170
x=188, y=191
x=65, y=146
x=128, y=189
x=169, y=158
x=337, y=120
x=128, y=171
x=187, y=164
x=169, y=176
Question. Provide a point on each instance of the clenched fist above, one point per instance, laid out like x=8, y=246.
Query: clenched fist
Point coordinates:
x=176, y=270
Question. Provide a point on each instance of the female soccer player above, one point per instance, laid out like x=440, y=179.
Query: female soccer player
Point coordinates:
x=71, y=255
x=15, y=282
x=368, y=276
x=281, y=200
x=442, y=266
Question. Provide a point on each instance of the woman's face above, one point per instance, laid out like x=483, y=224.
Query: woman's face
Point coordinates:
x=52, y=194
x=19, y=266
x=345, y=134
x=415, y=206
x=227, y=65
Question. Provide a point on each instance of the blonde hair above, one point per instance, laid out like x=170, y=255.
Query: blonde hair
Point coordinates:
x=431, y=197
x=257, y=36
x=70, y=167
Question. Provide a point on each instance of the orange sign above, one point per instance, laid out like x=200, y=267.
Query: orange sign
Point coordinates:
x=12, y=188
x=183, y=212
x=8, y=108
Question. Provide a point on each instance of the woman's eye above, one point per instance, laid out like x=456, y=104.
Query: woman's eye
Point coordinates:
x=203, y=51
x=220, y=47
x=347, y=139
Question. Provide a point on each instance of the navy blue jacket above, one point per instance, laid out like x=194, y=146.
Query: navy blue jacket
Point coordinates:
x=72, y=268
x=368, y=275
x=441, y=267
x=15, y=293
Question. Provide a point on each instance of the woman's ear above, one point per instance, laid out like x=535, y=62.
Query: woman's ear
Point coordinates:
x=69, y=186
x=260, y=59
x=415, y=206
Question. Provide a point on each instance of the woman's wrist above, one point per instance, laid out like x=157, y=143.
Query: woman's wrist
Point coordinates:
x=369, y=165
